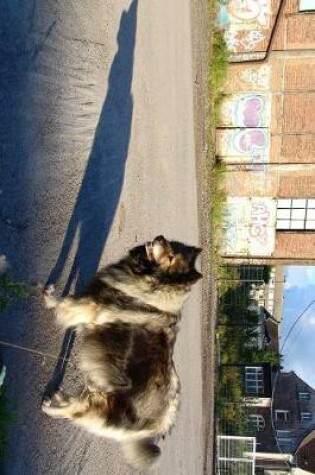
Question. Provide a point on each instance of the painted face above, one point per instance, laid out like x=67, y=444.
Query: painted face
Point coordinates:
x=244, y=9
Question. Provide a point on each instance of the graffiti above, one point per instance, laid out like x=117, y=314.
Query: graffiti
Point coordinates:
x=246, y=110
x=260, y=220
x=250, y=145
x=251, y=141
x=249, y=41
x=244, y=14
x=245, y=23
x=249, y=226
x=257, y=77
x=252, y=39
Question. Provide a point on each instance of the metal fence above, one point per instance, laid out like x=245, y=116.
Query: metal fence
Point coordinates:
x=237, y=318
x=235, y=455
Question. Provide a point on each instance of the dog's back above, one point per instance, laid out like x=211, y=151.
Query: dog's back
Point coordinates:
x=134, y=364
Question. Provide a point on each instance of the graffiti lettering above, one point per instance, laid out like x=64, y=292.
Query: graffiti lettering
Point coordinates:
x=249, y=226
x=260, y=220
x=257, y=77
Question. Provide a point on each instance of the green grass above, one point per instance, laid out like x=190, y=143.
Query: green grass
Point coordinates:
x=9, y=290
x=217, y=75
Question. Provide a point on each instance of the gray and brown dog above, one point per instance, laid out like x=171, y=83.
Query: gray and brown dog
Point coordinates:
x=129, y=316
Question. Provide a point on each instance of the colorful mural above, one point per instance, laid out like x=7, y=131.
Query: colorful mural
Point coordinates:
x=249, y=226
x=246, y=110
x=245, y=23
x=243, y=145
x=243, y=14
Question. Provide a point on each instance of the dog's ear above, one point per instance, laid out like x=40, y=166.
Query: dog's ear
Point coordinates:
x=194, y=253
x=139, y=260
x=193, y=276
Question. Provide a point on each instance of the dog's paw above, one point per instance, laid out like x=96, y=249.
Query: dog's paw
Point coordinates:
x=49, y=297
x=57, y=399
x=49, y=290
x=46, y=402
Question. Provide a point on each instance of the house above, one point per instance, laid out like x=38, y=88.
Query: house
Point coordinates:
x=286, y=426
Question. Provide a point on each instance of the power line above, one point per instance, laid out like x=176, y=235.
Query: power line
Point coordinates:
x=295, y=323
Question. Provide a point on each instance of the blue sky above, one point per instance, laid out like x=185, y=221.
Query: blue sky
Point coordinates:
x=299, y=350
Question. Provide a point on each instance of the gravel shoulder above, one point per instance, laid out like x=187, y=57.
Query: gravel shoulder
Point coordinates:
x=201, y=31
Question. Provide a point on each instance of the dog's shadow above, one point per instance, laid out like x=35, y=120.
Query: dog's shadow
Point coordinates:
x=101, y=186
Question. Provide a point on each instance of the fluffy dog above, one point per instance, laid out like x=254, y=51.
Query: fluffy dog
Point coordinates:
x=129, y=316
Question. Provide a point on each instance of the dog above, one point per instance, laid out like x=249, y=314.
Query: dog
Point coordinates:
x=129, y=316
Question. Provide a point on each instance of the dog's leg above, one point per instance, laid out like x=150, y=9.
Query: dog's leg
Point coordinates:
x=63, y=406
x=49, y=298
x=167, y=422
x=70, y=312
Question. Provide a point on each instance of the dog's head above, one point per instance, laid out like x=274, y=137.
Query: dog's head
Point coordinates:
x=170, y=261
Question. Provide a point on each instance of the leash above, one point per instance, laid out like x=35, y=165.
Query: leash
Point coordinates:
x=36, y=352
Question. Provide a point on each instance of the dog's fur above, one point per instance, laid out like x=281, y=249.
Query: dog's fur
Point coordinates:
x=129, y=316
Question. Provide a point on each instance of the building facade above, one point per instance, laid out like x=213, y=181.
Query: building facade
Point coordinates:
x=283, y=425
x=266, y=133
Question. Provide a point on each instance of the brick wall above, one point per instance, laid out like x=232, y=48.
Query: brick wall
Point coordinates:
x=296, y=184
x=285, y=166
x=294, y=244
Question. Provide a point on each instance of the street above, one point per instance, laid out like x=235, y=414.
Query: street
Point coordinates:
x=97, y=155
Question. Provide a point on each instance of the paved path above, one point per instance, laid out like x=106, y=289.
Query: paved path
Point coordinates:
x=97, y=154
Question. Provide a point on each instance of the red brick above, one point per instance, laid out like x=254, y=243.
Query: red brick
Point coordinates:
x=295, y=244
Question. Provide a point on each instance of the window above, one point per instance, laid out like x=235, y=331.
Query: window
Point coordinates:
x=282, y=434
x=284, y=440
x=296, y=214
x=307, y=6
x=306, y=416
x=304, y=396
x=282, y=415
x=255, y=422
x=254, y=383
x=286, y=444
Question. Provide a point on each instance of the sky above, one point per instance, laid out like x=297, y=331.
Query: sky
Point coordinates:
x=299, y=348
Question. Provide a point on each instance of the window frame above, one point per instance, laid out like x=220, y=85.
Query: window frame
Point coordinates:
x=256, y=422
x=258, y=379
x=288, y=211
x=304, y=393
x=306, y=9
x=284, y=412
x=306, y=419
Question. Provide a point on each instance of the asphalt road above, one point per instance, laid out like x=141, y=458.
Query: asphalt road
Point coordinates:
x=97, y=154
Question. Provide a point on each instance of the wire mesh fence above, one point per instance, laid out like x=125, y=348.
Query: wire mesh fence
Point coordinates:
x=240, y=342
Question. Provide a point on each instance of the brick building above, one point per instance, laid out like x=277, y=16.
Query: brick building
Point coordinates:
x=282, y=427
x=266, y=134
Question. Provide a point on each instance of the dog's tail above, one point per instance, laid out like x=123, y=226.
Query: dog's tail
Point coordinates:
x=141, y=454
